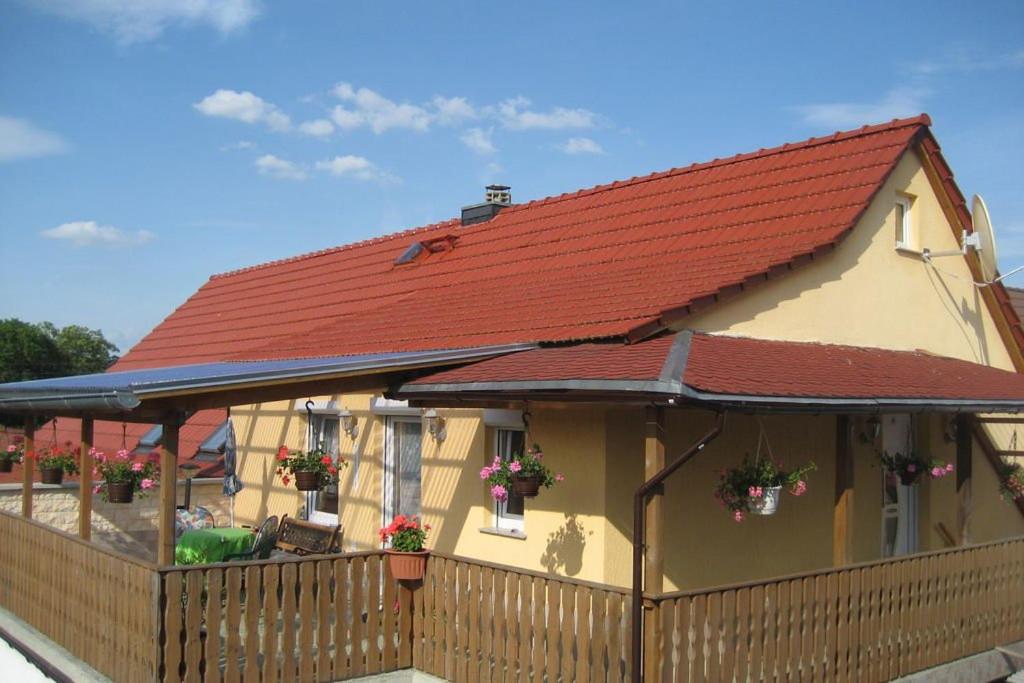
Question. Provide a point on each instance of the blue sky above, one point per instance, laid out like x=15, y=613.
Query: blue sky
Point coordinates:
x=146, y=145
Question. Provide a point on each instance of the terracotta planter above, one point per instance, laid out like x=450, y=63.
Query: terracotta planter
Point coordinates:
x=51, y=475
x=120, y=492
x=909, y=478
x=768, y=504
x=6, y=465
x=308, y=481
x=527, y=487
x=408, y=566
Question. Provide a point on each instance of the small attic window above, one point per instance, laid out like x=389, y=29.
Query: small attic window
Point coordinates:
x=904, y=224
x=420, y=250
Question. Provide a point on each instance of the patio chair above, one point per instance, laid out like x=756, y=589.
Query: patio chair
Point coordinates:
x=262, y=544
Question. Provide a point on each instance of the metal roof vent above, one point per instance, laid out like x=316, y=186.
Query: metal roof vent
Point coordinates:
x=496, y=198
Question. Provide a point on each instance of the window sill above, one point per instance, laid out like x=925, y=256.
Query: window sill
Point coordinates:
x=507, y=533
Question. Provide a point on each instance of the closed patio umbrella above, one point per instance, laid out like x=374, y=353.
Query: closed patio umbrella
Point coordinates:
x=232, y=484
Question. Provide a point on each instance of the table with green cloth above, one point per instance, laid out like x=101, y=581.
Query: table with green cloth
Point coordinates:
x=202, y=546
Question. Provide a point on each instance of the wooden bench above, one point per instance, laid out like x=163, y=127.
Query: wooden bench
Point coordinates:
x=300, y=537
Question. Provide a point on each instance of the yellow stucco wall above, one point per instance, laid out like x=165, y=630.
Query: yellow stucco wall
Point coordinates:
x=867, y=293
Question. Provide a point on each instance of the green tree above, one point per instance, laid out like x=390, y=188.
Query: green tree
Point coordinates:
x=85, y=351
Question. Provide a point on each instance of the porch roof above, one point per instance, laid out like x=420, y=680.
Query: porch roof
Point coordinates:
x=175, y=388
x=734, y=371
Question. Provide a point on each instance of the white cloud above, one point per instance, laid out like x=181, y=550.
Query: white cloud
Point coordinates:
x=351, y=166
x=241, y=144
x=479, y=140
x=451, y=111
x=88, y=233
x=21, y=139
x=276, y=167
x=897, y=103
x=243, y=106
x=373, y=110
x=581, y=146
x=514, y=113
x=133, y=21
x=969, y=61
x=320, y=128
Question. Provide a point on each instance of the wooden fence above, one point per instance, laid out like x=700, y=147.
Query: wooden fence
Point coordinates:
x=870, y=622
x=99, y=605
x=475, y=621
x=304, y=619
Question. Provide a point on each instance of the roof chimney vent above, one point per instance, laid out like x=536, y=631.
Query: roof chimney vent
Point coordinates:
x=496, y=198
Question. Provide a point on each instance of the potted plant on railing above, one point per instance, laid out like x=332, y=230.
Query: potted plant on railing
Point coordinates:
x=9, y=457
x=406, y=554
x=755, y=486
x=522, y=475
x=311, y=470
x=911, y=466
x=55, y=462
x=1011, y=481
x=122, y=476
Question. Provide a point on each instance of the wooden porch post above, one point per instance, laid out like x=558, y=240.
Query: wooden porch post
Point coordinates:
x=654, y=537
x=27, y=466
x=168, y=491
x=964, y=461
x=85, y=481
x=842, y=511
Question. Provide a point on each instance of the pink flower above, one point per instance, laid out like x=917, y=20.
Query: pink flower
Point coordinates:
x=799, y=488
x=755, y=491
x=146, y=484
x=514, y=466
x=559, y=477
x=911, y=468
x=949, y=467
x=498, y=492
x=738, y=516
x=123, y=454
x=96, y=489
x=496, y=465
x=938, y=472
x=485, y=473
x=137, y=466
x=11, y=448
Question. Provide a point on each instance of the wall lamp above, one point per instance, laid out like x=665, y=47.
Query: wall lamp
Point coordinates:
x=871, y=430
x=435, y=425
x=349, y=423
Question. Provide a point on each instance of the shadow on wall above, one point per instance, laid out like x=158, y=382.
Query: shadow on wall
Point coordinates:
x=564, y=552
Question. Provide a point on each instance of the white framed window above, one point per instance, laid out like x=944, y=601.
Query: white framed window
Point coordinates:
x=322, y=506
x=509, y=442
x=403, y=450
x=899, y=502
x=904, y=224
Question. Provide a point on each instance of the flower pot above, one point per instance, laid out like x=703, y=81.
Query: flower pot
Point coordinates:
x=768, y=504
x=527, y=487
x=120, y=492
x=909, y=478
x=308, y=481
x=408, y=566
x=51, y=475
x=6, y=465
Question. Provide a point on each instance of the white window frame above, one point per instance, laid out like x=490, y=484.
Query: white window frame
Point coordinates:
x=388, y=485
x=906, y=508
x=907, y=228
x=502, y=518
x=312, y=514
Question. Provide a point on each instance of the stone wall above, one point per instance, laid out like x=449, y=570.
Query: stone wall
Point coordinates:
x=58, y=507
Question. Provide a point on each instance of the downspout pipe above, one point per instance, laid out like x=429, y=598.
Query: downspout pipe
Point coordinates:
x=640, y=540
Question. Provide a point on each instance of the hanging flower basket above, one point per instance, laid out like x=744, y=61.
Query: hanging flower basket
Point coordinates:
x=910, y=467
x=312, y=470
x=120, y=492
x=407, y=557
x=51, y=475
x=1011, y=481
x=522, y=475
x=526, y=486
x=9, y=456
x=6, y=465
x=768, y=502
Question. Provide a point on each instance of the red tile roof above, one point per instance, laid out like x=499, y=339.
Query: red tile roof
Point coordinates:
x=719, y=365
x=598, y=263
x=107, y=437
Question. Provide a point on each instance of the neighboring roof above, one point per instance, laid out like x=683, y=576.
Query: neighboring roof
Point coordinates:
x=107, y=436
x=122, y=391
x=736, y=371
x=602, y=263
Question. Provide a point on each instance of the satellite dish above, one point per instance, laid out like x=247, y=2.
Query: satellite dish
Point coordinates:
x=986, y=247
